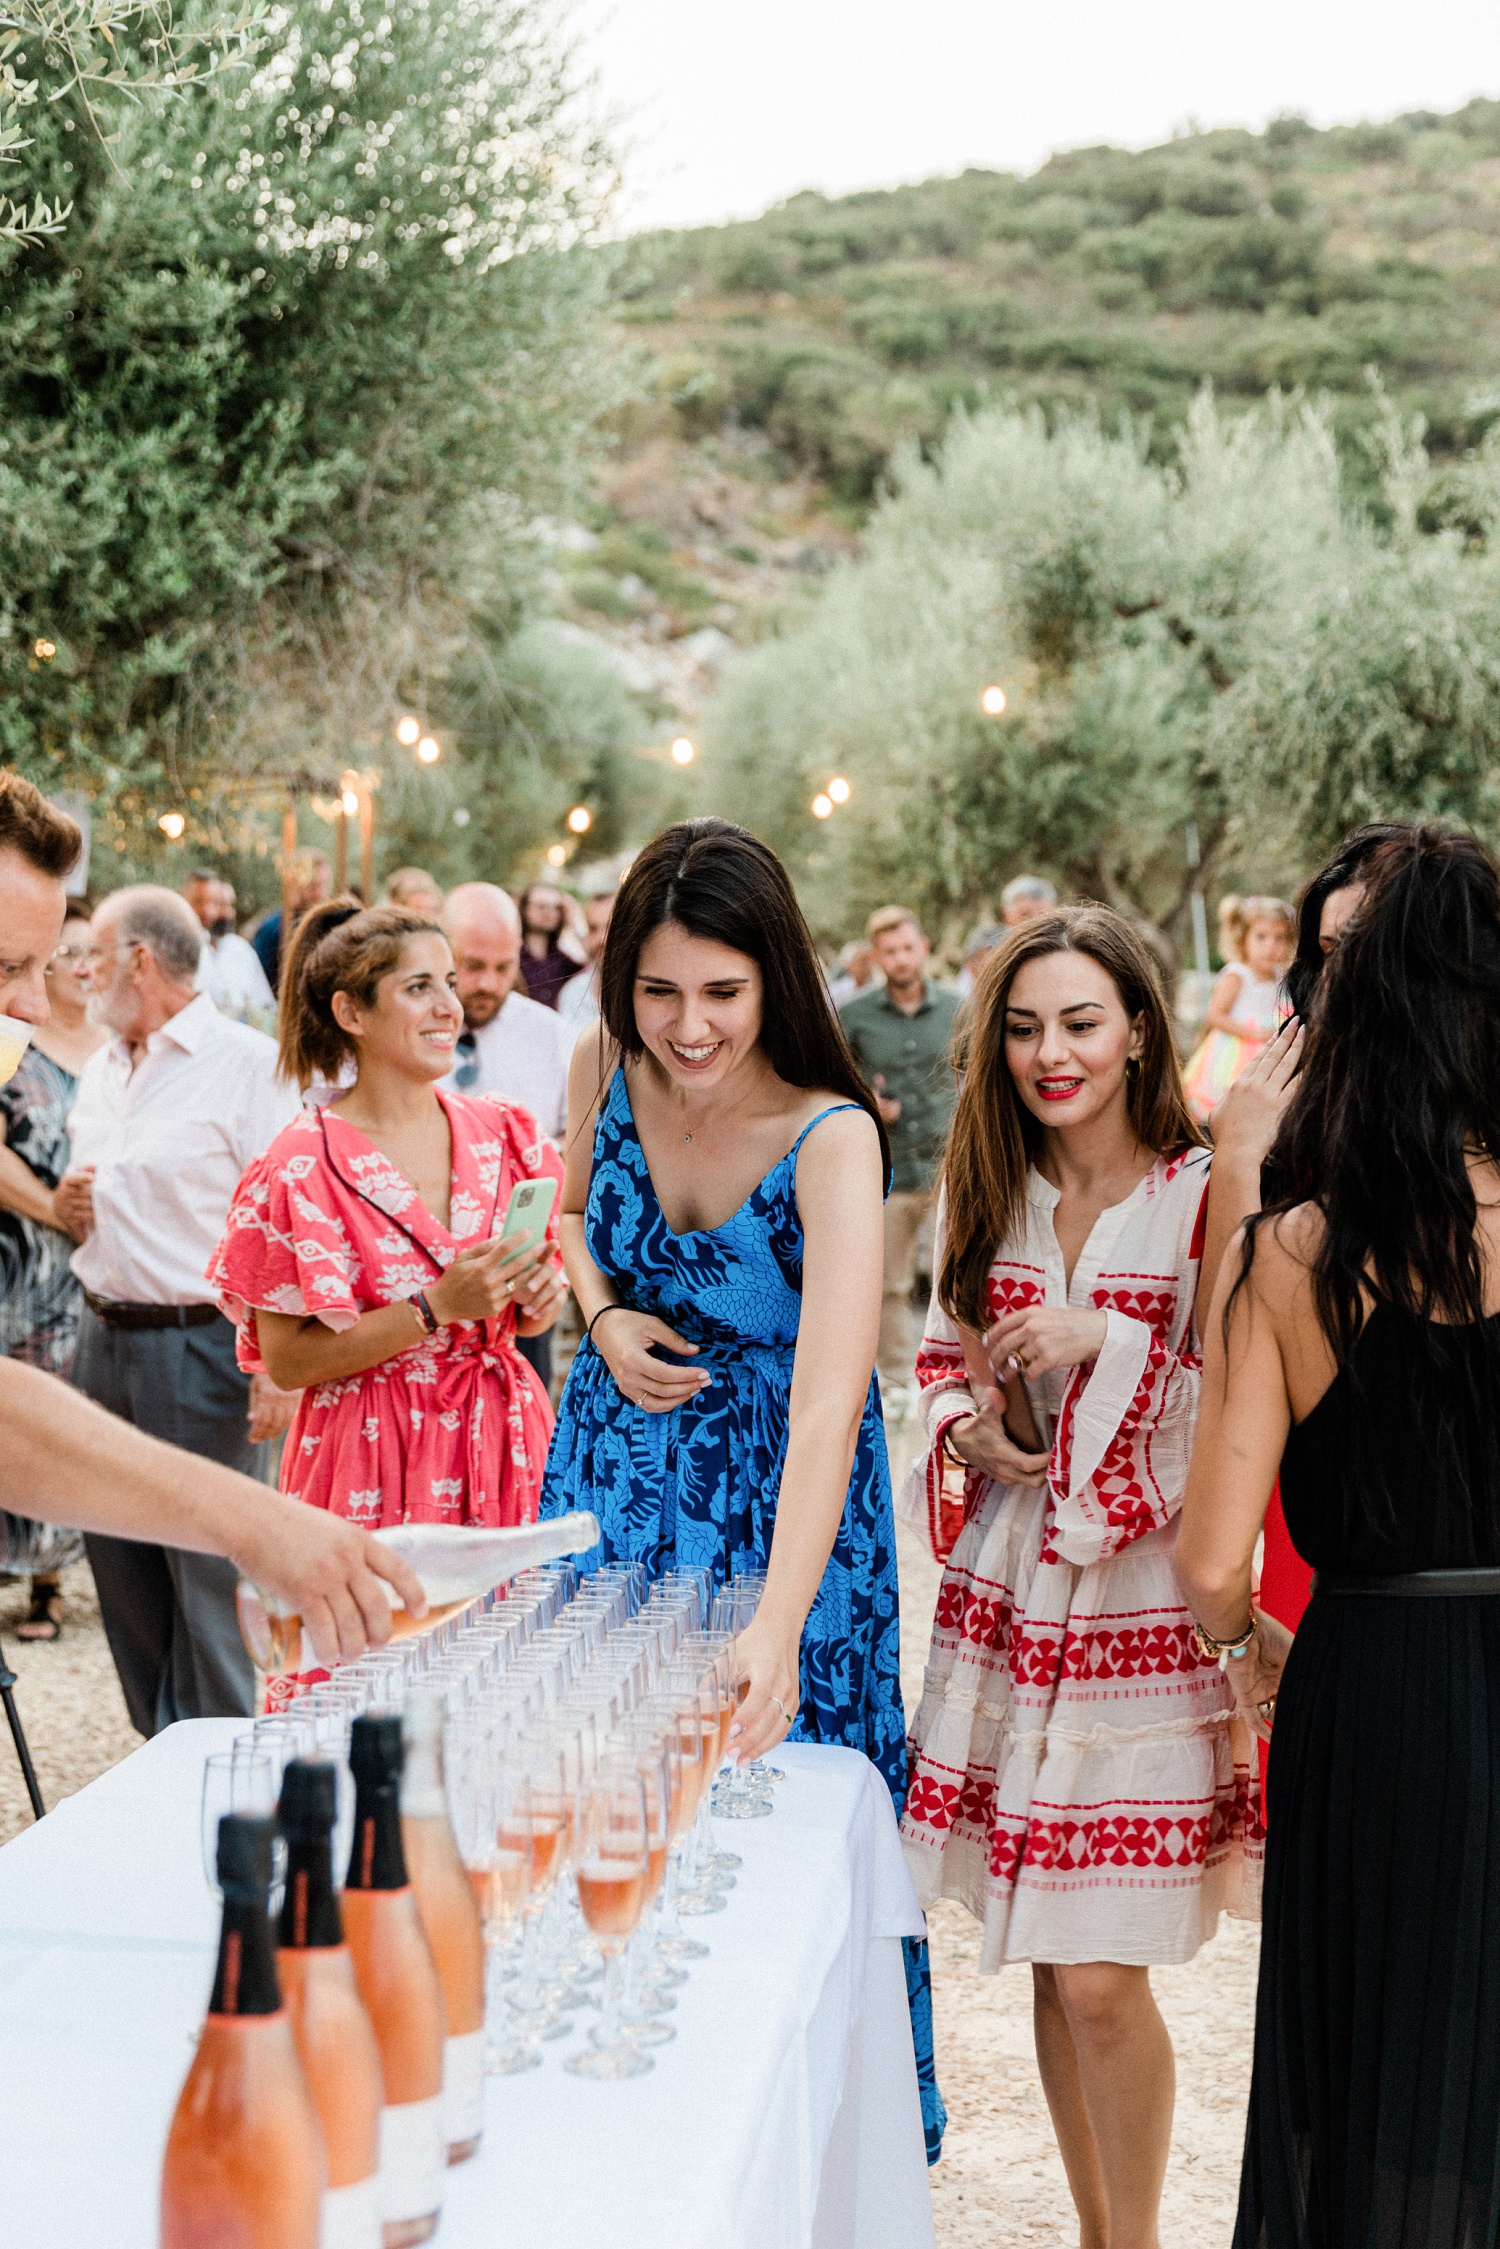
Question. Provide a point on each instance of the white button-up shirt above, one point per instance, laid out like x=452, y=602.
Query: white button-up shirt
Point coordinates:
x=168, y=1141
x=523, y=1055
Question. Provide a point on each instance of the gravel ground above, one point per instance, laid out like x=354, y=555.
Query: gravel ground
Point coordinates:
x=1000, y=2183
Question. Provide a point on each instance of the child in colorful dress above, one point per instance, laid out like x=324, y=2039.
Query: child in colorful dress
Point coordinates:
x=1080, y=1782
x=1257, y=937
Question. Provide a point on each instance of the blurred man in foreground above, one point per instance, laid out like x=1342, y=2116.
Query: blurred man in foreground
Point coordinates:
x=65, y=1460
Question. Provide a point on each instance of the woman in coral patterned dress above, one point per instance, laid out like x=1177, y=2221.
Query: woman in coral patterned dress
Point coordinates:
x=359, y=1261
x=1080, y=1783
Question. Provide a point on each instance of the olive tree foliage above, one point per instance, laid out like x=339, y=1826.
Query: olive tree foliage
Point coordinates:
x=278, y=408
x=1223, y=641
x=51, y=50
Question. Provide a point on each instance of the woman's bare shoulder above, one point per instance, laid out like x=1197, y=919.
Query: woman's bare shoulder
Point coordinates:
x=1286, y=1251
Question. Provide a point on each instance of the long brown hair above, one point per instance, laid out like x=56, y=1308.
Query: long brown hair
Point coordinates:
x=994, y=1137
x=719, y=882
x=340, y=946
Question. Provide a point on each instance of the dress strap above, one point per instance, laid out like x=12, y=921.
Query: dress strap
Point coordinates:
x=832, y=1110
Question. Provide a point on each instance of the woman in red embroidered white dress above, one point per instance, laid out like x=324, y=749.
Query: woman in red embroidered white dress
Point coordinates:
x=1079, y=1780
x=358, y=1260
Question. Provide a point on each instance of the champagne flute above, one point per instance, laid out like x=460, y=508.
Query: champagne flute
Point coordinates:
x=745, y=1796
x=647, y=1996
x=611, y=1874
x=490, y=1800
x=241, y=1780
x=677, y=1716
x=539, y=1750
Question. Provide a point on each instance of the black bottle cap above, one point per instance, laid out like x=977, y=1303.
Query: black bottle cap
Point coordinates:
x=375, y=1748
x=309, y=1801
x=244, y=1858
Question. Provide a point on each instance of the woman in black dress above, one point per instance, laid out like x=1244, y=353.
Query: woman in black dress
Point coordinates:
x=1356, y=1342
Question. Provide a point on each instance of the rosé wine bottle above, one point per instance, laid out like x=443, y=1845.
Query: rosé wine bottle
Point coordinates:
x=244, y=2160
x=398, y=1983
x=450, y=1916
x=334, y=2037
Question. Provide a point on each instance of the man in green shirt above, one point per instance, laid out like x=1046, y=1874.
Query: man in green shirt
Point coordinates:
x=900, y=1036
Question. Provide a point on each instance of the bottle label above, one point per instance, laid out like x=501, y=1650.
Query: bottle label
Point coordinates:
x=413, y=2159
x=351, y=2216
x=463, y=2087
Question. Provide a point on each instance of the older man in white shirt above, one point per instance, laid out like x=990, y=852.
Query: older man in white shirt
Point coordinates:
x=166, y=1119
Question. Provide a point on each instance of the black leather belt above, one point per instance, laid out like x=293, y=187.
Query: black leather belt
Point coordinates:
x=150, y=1315
x=1443, y=1585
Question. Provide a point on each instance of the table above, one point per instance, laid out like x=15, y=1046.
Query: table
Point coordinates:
x=784, y=2115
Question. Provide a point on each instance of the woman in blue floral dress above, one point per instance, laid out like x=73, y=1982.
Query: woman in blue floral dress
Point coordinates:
x=722, y=1232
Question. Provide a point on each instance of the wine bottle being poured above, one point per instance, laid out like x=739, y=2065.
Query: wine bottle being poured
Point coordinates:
x=334, y=2036
x=398, y=1983
x=244, y=2160
x=457, y=1563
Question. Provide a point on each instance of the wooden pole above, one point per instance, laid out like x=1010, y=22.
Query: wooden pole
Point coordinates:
x=288, y=853
x=367, y=841
x=341, y=852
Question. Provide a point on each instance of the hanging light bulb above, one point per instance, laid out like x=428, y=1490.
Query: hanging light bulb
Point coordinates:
x=839, y=789
x=428, y=750
x=557, y=854
x=821, y=807
x=992, y=701
x=350, y=802
x=171, y=825
x=683, y=752
x=580, y=819
x=407, y=730
x=46, y=649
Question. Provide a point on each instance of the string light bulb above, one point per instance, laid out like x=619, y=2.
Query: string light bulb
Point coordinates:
x=407, y=731
x=428, y=750
x=683, y=752
x=580, y=819
x=821, y=807
x=46, y=649
x=557, y=854
x=839, y=789
x=171, y=825
x=992, y=701
x=350, y=802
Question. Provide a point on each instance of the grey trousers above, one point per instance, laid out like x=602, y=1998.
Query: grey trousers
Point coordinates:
x=169, y=1615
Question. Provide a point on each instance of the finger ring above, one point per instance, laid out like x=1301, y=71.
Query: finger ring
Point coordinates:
x=786, y=1715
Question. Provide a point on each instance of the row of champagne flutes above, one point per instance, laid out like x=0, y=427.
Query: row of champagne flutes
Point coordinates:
x=585, y=1724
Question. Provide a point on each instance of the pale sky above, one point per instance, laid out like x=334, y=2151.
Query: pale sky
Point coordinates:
x=725, y=109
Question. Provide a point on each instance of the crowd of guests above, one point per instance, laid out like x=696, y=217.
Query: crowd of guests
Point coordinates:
x=1168, y=1366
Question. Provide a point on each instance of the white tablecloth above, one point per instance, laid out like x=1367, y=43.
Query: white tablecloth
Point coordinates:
x=783, y=2116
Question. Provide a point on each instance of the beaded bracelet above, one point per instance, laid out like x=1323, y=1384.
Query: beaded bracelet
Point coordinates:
x=1212, y=1649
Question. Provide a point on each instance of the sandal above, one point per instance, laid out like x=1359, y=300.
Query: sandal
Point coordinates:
x=43, y=1620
